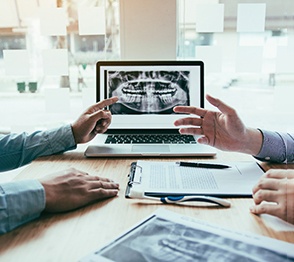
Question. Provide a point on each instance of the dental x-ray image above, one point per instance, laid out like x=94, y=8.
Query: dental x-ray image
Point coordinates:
x=148, y=92
x=161, y=240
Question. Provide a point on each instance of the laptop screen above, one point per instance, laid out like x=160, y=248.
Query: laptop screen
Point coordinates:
x=149, y=90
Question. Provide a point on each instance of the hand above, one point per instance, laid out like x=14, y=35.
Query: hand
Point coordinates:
x=93, y=121
x=276, y=187
x=223, y=130
x=71, y=189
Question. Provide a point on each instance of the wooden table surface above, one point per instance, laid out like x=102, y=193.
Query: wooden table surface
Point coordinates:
x=72, y=235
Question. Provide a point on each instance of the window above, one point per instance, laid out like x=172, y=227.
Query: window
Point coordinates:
x=251, y=68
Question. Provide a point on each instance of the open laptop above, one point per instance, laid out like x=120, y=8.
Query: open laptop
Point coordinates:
x=143, y=117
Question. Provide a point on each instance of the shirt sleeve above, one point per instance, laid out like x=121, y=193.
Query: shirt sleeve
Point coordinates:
x=277, y=147
x=20, y=202
x=19, y=149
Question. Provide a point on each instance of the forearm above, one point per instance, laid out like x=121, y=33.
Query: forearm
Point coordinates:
x=252, y=143
x=17, y=150
x=20, y=202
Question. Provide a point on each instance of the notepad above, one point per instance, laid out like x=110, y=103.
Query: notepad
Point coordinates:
x=164, y=178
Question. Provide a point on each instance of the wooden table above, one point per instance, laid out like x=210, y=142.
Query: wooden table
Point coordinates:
x=72, y=235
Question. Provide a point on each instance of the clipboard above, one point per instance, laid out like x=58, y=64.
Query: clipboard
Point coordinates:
x=236, y=181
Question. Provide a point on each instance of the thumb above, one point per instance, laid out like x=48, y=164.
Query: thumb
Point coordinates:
x=203, y=140
x=101, y=114
x=224, y=108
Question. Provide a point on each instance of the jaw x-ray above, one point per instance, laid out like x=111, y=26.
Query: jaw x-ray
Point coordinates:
x=148, y=92
x=160, y=240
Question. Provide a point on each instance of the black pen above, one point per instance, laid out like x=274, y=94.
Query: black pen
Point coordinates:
x=204, y=165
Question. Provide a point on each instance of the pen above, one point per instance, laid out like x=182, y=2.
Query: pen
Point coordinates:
x=204, y=165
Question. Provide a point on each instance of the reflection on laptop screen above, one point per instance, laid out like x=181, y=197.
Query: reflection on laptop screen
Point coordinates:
x=148, y=91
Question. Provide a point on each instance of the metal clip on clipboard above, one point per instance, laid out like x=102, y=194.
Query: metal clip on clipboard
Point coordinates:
x=132, y=175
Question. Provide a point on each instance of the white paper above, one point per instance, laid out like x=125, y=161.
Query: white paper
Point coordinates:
x=55, y=62
x=204, y=14
x=57, y=101
x=168, y=178
x=251, y=17
x=16, y=62
x=249, y=59
x=52, y=21
x=175, y=237
x=211, y=56
x=8, y=14
x=91, y=20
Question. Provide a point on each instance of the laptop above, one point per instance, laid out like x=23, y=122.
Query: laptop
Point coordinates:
x=142, y=119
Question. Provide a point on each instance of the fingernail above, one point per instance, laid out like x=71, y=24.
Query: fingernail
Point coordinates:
x=202, y=141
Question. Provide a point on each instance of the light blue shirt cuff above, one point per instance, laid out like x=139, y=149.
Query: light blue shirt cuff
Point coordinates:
x=20, y=202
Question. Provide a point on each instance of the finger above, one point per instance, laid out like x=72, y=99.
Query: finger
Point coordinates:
x=98, y=178
x=270, y=184
x=101, y=193
x=188, y=121
x=101, y=184
x=203, y=140
x=100, y=131
x=102, y=123
x=265, y=195
x=191, y=131
x=266, y=208
x=105, y=122
x=101, y=115
x=104, y=103
x=190, y=110
x=102, y=126
x=224, y=108
x=277, y=174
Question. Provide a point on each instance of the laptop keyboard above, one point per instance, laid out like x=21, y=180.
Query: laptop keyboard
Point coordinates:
x=150, y=139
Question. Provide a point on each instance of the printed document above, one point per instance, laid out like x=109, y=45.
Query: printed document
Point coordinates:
x=157, y=178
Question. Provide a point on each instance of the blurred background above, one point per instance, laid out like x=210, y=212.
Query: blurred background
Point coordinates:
x=49, y=48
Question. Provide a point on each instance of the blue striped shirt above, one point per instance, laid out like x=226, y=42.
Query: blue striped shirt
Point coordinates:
x=277, y=147
x=23, y=201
